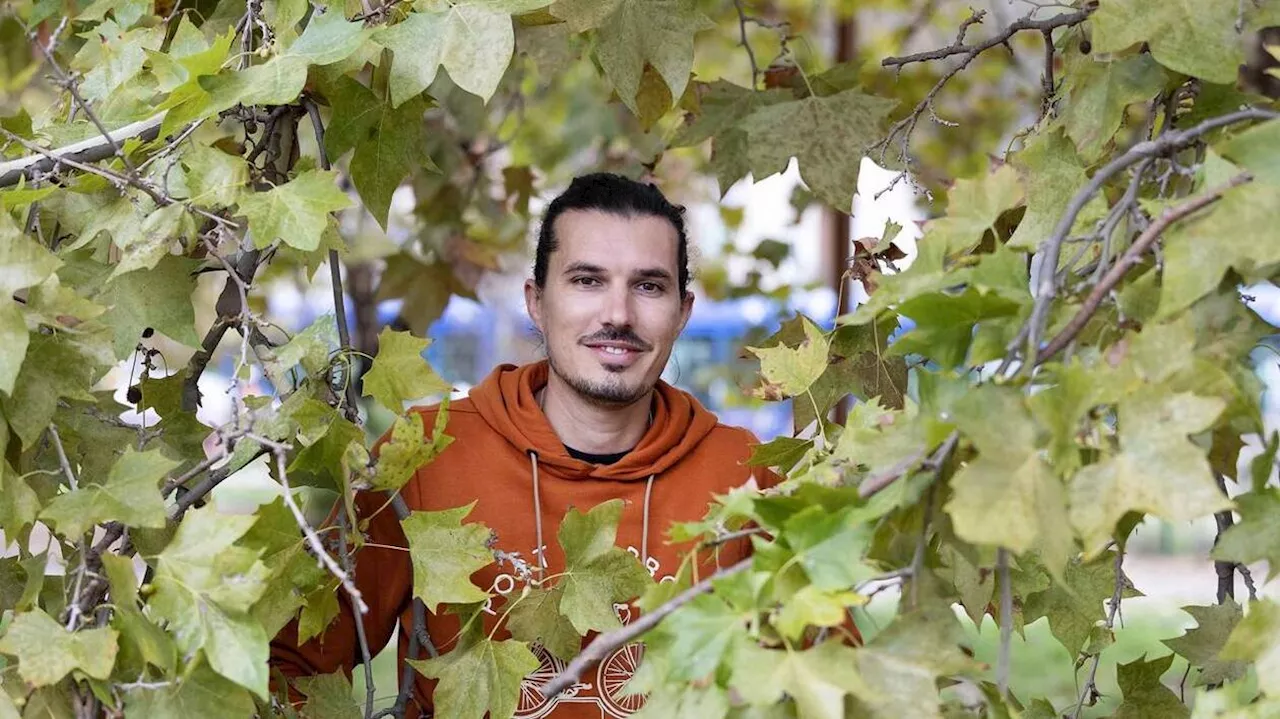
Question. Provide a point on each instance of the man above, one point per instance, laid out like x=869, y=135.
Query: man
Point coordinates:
x=591, y=423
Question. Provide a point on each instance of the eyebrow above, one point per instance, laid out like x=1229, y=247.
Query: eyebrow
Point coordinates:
x=649, y=273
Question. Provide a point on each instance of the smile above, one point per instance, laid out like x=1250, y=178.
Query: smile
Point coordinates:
x=615, y=354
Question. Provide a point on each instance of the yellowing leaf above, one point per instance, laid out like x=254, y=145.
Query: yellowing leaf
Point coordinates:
x=1257, y=535
x=1098, y=93
x=825, y=134
x=793, y=371
x=409, y=449
x=400, y=372
x=47, y=652
x=973, y=206
x=817, y=679
x=445, y=553
x=1052, y=173
x=1201, y=646
x=295, y=212
x=23, y=261
x=159, y=298
x=1158, y=470
x=1189, y=36
x=472, y=41
x=1257, y=639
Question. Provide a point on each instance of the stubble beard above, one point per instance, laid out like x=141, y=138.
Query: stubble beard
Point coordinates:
x=606, y=394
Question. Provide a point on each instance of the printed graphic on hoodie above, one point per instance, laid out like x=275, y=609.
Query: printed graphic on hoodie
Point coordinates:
x=604, y=688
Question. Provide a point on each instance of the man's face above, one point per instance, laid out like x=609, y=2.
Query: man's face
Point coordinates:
x=611, y=309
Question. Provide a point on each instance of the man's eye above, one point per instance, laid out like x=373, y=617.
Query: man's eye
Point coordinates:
x=585, y=281
x=651, y=287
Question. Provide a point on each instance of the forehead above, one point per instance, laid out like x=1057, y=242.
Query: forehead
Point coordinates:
x=618, y=243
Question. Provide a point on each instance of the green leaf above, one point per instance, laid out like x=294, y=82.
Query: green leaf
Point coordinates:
x=813, y=606
x=213, y=176
x=1074, y=605
x=205, y=583
x=47, y=652
x=1257, y=639
x=829, y=546
x=472, y=41
x=112, y=57
x=23, y=261
x=19, y=504
x=973, y=206
x=1144, y=694
x=1233, y=233
x=1257, y=535
x=699, y=634
x=597, y=574
x=14, y=338
x=130, y=494
x=59, y=366
x=631, y=34
x=140, y=640
x=790, y=372
x=408, y=449
x=1201, y=646
x=295, y=212
x=722, y=106
x=1257, y=149
x=159, y=298
x=199, y=693
x=944, y=330
x=1059, y=407
x=1052, y=173
x=400, y=372
x=478, y=676
x=445, y=553
x=310, y=348
x=1187, y=36
x=1158, y=470
x=152, y=239
x=320, y=464
x=903, y=663
x=328, y=697
x=1099, y=92
x=1009, y=479
x=537, y=619
x=389, y=142
x=328, y=38
x=817, y=679
x=822, y=133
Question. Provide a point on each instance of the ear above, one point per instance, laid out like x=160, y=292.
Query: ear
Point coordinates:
x=533, y=303
x=686, y=310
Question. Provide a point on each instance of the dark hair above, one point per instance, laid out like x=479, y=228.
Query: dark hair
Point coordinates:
x=615, y=194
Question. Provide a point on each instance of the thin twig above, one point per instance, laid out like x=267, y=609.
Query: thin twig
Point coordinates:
x=730, y=536
x=959, y=48
x=751, y=55
x=1091, y=686
x=313, y=540
x=603, y=644
x=1128, y=260
x=366, y=656
x=1226, y=571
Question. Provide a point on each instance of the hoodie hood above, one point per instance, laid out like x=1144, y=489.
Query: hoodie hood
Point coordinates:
x=507, y=401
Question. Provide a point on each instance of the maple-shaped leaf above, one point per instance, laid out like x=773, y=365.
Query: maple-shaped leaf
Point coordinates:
x=151, y=236
x=15, y=339
x=944, y=330
x=902, y=664
x=47, y=652
x=973, y=206
x=1255, y=149
x=1145, y=696
x=597, y=573
x=214, y=177
x=159, y=298
x=389, y=142
x=200, y=692
x=631, y=34
x=1070, y=392
x=479, y=675
x=1202, y=645
x=295, y=212
x=291, y=568
x=720, y=108
x=537, y=619
x=400, y=372
x=1235, y=228
x=1074, y=605
x=473, y=41
x=57, y=366
x=1158, y=470
x=1257, y=639
x=685, y=701
x=309, y=348
x=141, y=640
x=129, y=494
x=1191, y=37
x=19, y=503
x=1257, y=535
x=1098, y=93
x=1009, y=479
x=329, y=696
x=1051, y=172
x=815, y=607
x=409, y=449
x=23, y=261
x=205, y=584
x=818, y=679
x=822, y=133
x=445, y=553
x=788, y=371
x=320, y=463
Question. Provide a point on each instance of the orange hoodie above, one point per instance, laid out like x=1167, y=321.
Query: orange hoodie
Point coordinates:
x=507, y=458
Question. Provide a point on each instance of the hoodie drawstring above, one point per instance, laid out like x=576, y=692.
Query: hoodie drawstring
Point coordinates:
x=537, y=517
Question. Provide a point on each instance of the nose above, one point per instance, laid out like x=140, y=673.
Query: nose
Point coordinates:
x=616, y=309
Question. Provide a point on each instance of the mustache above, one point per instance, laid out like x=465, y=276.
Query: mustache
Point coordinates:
x=616, y=334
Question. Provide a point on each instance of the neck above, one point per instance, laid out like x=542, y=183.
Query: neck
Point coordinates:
x=593, y=428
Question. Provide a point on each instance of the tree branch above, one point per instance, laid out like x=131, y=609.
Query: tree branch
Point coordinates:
x=1130, y=258
x=959, y=48
x=1006, y=621
x=603, y=644
x=751, y=55
x=1090, y=690
x=1046, y=282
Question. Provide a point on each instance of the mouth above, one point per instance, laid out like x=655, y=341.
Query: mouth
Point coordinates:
x=615, y=353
